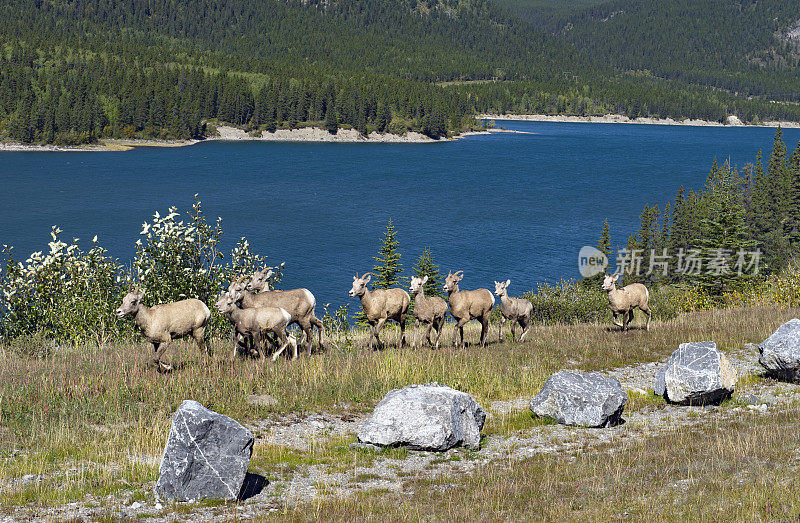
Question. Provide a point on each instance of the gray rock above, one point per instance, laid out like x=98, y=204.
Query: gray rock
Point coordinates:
x=261, y=400
x=749, y=399
x=206, y=456
x=780, y=353
x=425, y=417
x=588, y=399
x=696, y=374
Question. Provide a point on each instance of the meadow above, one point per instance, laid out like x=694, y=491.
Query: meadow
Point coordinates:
x=89, y=423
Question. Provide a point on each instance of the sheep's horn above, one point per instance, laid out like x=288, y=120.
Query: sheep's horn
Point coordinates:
x=362, y=276
x=458, y=272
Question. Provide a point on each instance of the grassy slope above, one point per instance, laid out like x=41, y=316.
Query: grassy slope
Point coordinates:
x=105, y=405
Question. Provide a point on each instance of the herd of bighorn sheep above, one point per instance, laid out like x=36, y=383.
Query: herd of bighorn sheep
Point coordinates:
x=255, y=311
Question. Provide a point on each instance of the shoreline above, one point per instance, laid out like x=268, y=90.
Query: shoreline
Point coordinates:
x=319, y=135
x=731, y=121
x=233, y=134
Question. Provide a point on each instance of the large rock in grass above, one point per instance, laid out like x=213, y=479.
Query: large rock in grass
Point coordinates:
x=696, y=374
x=425, y=417
x=780, y=353
x=587, y=399
x=206, y=456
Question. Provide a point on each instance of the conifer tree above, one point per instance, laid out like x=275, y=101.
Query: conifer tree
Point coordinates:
x=331, y=120
x=388, y=268
x=425, y=266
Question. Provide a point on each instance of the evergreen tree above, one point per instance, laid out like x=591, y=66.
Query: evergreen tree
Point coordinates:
x=331, y=120
x=388, y=268
x=604, y=246
x=604, y=243
x=425, y=266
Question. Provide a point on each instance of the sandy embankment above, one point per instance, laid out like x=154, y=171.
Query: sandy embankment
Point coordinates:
x=732, y=121
x=315, y=134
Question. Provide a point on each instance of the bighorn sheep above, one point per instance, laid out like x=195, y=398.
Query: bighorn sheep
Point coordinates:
x=626, y=299
x=468, y=305
x=254, y=322
x=381, y=305
x=517, y=310
x=428, y=309
x=163, y=323
x=299, y=303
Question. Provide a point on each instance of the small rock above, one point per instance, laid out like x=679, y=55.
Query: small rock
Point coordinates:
x=588, y=399
x=261, y=400
x=425, y=417
x=749, y=399
x=780, y=353
x=159, y=506
x=696, y=374
x=206, y=456
x=136, y=505
x=759, y=408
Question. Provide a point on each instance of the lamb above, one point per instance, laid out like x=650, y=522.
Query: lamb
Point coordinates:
x=428, y=309
x=626, y=299
x=299, y=303
x=468, y=305
x=517, y=310
x=381, y=305
x=163, y=323
x=254, y=322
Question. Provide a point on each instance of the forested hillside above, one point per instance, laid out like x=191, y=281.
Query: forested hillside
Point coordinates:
x=742, y=47
x=73, y=71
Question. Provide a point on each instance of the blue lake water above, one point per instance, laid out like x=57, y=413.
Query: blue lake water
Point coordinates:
x=515, y=206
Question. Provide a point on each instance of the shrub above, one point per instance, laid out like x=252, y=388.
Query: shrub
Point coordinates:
x=68, y=294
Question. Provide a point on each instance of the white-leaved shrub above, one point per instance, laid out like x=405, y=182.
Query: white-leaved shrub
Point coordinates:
x=70, y=295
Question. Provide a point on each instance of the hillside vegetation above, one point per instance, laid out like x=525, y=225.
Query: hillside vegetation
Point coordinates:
x=72, y=72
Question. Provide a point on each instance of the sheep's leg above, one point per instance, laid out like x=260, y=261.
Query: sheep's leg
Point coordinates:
x=614, y=321
x=428, y=333
x=378, y=328
x=500, y=330
x=649, y=313
x=485, y=329
x=284, y=342
x=625, y=319
x=371, y=334
x=513, y=330
x=318, y=324
x=439, y=325
x=402, y=330
x=459, y=330
x=260, y=344
x=414, y=331
x=308, y=333
x=525, y=323
x=159, y=347
x=199, y=335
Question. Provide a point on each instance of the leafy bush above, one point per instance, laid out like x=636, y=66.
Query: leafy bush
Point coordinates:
x=68, y=294
x=567, y=302
x=782, y=289
x=180, y=259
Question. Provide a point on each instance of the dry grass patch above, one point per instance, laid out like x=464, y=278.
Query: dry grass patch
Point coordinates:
x=106, y=404
x=741, y=470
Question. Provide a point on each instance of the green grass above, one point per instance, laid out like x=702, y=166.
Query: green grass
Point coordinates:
x=741, y=470
x=107, y=406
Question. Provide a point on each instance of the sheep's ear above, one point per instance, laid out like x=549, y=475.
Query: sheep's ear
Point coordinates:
x=615, y=277
x=355, y=278
x=367, y=278
x=508, y=282
x=425, y=280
